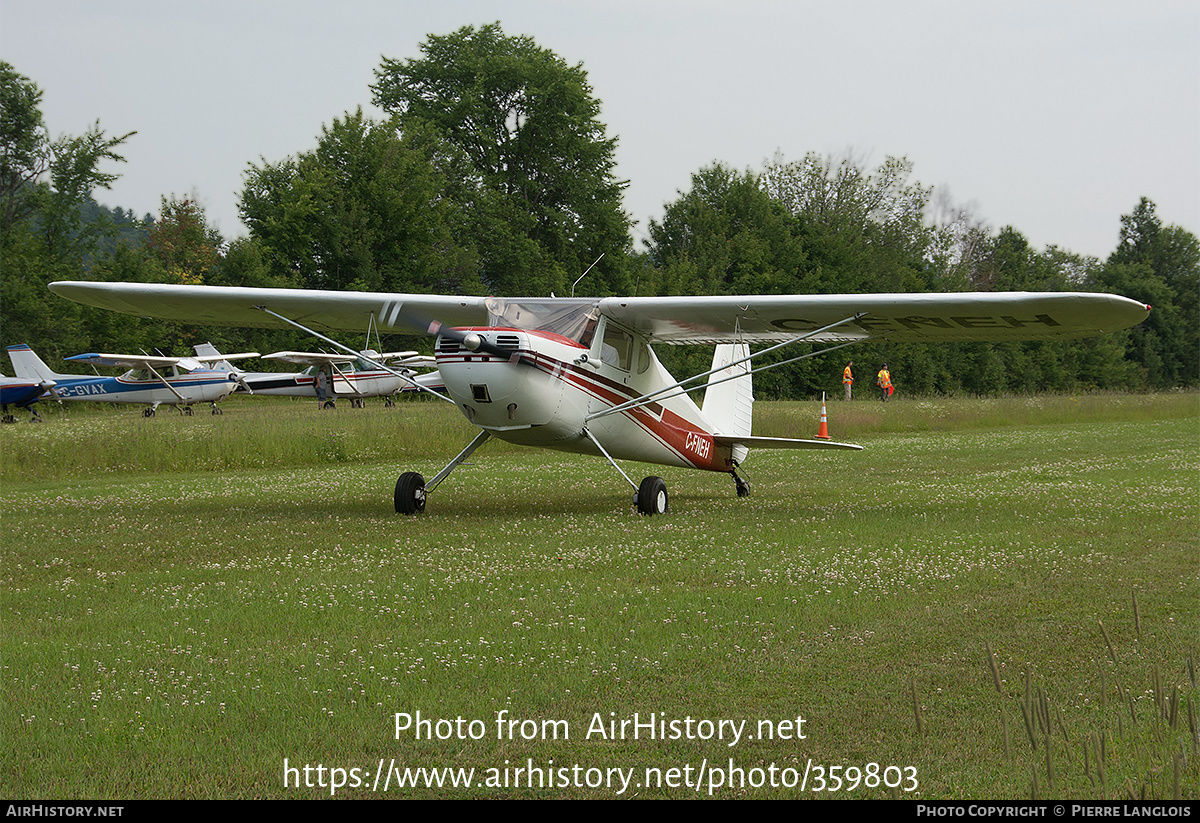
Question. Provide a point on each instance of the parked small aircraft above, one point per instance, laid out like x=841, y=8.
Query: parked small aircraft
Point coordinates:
x=22, y=393
x=152, y=380
x=354, y=376
x=579, y=374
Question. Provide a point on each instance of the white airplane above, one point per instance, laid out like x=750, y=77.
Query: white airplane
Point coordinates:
x=352, y=376
x=153, y=380
x=579, y=374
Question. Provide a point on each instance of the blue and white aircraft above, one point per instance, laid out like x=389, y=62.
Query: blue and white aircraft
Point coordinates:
x=152, y=380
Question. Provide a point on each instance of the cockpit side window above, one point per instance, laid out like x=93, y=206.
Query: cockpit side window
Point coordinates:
x=617, y=347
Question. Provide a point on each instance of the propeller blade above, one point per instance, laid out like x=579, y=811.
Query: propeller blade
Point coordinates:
x=473, y=341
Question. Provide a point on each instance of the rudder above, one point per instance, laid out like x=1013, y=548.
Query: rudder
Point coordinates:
x=27, y=365
x=729, y=405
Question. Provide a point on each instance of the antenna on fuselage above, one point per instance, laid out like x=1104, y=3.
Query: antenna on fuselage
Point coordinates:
x=588, y=269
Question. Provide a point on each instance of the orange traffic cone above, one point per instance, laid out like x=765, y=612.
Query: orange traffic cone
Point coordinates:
x=823, y=428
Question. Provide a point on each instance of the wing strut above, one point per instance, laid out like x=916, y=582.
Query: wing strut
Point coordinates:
x=154, y=372
x=354, y=353
x=648, y=398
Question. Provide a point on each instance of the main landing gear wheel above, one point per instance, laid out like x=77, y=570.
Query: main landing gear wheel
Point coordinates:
x=652, y=496
x=410, y=493
x=147, y=412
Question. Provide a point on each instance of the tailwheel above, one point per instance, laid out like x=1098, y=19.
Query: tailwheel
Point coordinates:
x=410, y=493
x=743, y=488
x=148, y=412
x=216, y=409
x=652, y=496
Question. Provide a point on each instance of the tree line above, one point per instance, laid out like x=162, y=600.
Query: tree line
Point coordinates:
x=491, y=173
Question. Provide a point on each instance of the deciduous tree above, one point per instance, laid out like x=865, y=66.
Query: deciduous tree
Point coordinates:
x=549, y=203
x=367, y=209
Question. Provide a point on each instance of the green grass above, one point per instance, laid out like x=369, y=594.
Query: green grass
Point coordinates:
x=1000, y=595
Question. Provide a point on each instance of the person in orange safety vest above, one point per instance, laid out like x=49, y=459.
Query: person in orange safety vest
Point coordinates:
x=847, y=380
x=884, y=381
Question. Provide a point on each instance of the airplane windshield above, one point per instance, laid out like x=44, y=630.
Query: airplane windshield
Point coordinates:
x=575, y=319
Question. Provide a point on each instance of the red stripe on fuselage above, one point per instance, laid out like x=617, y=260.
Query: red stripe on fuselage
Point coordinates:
x=674, y=431
x=690, y=443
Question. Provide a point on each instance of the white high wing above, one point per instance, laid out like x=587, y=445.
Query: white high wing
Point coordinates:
x=579, y=374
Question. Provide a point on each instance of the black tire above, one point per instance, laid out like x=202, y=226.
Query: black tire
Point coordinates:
x=652, y=496
x=410, y=493
x=147, y=412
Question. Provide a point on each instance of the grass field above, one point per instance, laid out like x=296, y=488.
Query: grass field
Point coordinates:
x=995, y=599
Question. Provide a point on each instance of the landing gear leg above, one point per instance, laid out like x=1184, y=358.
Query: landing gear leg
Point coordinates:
x=743, y=488
x=411, y=488
x=651, y=496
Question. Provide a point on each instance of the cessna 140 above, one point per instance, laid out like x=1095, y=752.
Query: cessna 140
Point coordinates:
x=153, y=380
x=352, y=376
x=579, y=374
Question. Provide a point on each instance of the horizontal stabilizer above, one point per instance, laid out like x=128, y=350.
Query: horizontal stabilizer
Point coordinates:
x=779, y=443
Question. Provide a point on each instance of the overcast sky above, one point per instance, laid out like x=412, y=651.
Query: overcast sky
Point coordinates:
x=1053, y=117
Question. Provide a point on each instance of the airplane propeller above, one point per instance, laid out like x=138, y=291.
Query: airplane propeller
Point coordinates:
x=240, y=377
x=471, y=340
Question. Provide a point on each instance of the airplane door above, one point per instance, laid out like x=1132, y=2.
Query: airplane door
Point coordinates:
x=345, y=382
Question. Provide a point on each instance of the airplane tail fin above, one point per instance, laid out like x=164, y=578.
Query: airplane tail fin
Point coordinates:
x=27, y=365
x=729, y=403
x=209, y=350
